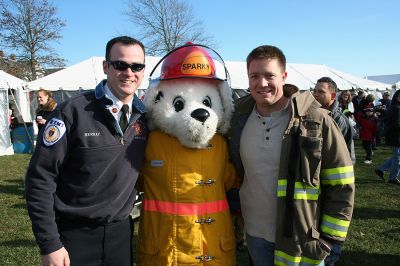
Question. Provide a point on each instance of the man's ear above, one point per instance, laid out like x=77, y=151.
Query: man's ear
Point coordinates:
x=105, y=67
x=333, y=96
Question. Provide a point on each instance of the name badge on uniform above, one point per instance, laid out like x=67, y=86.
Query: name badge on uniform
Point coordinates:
x=157, y=163
x=53, y=132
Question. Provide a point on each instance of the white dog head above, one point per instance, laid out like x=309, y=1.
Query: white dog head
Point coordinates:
x=190, y=109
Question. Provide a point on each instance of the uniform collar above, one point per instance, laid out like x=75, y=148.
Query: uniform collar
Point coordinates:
x=101, y=94
x=116, y=102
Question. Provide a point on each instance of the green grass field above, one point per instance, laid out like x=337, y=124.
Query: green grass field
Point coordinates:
x=374, y=235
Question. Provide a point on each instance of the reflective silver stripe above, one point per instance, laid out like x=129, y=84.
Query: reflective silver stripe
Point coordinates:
x=334, y=226
x=338, y=176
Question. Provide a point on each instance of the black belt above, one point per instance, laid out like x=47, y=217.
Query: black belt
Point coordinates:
x=75, y=222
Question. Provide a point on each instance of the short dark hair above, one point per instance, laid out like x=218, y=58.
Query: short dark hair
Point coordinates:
x=267, y=52
x=126, y=40
x=332, y=85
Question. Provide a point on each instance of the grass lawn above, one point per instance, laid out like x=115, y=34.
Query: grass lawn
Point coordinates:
x=373, y=239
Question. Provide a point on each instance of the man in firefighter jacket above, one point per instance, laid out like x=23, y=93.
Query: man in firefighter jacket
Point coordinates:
x=298, y=191
x=80, y=184
x=185, y=218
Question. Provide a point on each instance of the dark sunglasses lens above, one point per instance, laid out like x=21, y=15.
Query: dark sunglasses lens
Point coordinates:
x=121, y=66
x=137, y=67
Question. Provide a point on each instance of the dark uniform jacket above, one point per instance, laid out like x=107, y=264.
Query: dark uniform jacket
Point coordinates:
x=343, y=123
x=392, y=136
x=84, y=168
x=315, y=181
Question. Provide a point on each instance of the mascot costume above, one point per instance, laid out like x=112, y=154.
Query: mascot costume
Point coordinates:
x=185, y=218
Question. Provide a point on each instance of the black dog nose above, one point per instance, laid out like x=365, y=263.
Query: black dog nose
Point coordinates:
x=200, y=114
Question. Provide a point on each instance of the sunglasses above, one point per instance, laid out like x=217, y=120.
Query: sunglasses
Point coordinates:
x=122, y=66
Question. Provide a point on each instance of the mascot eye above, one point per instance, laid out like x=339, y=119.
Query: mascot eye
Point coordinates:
x=207, y=102
x=158, y=97
x=179, y=103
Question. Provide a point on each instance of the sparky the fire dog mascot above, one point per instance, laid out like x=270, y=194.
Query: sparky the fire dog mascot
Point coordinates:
x=185, y=218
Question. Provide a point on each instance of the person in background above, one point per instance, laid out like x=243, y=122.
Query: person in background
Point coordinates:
x=386, y=101
x=345, y=103
x=368, y=102
x=347, y=108
x=383, y=107
x=368, y=122
x=10, y=115
x=325, y=93
x=380, y=111
x=392, y=139
x=289, y=215
x=358, y=101
x=46, y=105
x=80, y=183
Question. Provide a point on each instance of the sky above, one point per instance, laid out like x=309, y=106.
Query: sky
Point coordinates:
x=360, y=37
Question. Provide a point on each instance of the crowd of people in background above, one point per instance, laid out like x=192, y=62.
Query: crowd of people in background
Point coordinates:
x=376, y=123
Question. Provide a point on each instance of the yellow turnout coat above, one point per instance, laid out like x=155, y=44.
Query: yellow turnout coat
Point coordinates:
x=185, y=218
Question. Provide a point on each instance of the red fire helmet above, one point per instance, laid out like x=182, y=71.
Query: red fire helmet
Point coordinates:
x=191, y=61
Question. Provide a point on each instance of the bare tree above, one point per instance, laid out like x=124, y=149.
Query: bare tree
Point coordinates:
x=29, y=27
x=10, y=65
x=165, y=24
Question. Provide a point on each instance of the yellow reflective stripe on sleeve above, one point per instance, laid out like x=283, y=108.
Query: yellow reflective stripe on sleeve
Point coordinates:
x=282, y=182
x=301, y=192
x=332, y=171
x=282, y=258
x=337, y=176
x=282, y=187
x=334, y=226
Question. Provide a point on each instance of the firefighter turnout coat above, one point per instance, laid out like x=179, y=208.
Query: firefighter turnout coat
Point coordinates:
x=315, y=183
x=185, y=218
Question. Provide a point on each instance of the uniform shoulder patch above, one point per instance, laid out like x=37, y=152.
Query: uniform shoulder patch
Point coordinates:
x=53, y=132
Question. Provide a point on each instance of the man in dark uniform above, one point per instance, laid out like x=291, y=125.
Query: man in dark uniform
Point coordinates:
x=80, y=184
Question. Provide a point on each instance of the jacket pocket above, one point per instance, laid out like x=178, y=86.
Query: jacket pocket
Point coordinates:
x=313, y=247
x=310, y=159
x=188, y=245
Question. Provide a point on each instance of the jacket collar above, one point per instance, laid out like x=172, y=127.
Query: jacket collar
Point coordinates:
x=246, y=104
x=303, y=102
x=107, y=102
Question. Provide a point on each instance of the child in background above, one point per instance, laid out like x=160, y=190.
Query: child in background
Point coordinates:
x=369, y=126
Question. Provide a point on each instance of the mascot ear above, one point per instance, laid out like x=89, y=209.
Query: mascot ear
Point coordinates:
x=158, y=97
x=225, y=93
x=152, y=96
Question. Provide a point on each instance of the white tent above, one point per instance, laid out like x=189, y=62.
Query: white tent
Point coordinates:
x=7, y=82
x=393, y=79
x=87, y=74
